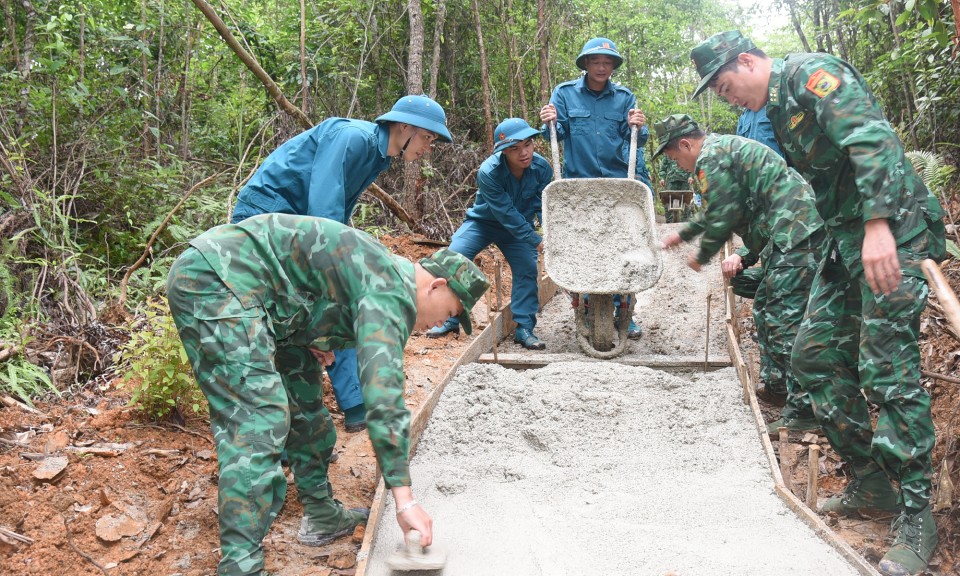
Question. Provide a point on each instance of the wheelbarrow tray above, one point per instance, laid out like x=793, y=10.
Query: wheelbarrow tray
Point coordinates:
x=599, y=235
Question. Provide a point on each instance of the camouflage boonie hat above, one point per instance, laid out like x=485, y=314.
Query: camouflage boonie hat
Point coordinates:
x=463, y=277
x=716, y=51
x=671, y=128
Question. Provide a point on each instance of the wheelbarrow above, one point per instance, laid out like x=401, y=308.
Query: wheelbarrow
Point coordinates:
x=600, y=240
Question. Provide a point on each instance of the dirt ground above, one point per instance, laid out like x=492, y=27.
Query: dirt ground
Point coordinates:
x=139, y=498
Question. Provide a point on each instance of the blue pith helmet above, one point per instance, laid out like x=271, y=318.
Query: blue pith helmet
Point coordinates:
x=603, y=46
x=422, y=112
x=510, y=132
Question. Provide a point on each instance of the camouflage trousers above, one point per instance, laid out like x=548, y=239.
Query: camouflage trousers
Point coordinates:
x=262, y=397
x=781, y=287
x=853, y=340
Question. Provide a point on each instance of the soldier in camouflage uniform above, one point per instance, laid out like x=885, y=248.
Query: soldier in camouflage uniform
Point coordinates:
x=752, y=192
x=259, y=305
x=672, y=177
x=859, y=335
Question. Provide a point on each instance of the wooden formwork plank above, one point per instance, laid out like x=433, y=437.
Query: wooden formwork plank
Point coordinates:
x=539, y=360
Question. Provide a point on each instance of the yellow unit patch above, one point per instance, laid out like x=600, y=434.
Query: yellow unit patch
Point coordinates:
x=795, y=119
x=822, y=83
x=702, y=179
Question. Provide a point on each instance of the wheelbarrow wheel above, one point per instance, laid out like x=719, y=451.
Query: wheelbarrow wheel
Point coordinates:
x=601, y=310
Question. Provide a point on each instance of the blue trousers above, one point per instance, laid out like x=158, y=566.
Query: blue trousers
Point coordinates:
x=475, y=235
x=343, y=372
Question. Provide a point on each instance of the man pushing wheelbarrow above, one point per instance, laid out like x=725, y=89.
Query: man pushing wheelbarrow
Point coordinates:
x=602, y=227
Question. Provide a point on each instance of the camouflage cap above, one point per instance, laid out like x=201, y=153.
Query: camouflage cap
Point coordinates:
x=463, y=277
x=671, y=128
x=716, y=51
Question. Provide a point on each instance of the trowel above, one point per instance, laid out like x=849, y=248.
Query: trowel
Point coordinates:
x=413, y=557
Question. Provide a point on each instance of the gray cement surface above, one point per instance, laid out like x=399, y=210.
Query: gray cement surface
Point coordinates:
x=672, y=314
x=599, y=468
x=598, y=237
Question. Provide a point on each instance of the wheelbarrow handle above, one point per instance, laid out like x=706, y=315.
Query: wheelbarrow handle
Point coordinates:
x=632, y=162
x=554, y=150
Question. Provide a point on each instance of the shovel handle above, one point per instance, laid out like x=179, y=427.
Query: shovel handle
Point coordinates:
x=945, y=294
x=554, y=150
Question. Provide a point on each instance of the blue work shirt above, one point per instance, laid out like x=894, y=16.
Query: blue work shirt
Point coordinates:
x=320, y=172
x=756, y=126
x=594, y=130
x=512, y=203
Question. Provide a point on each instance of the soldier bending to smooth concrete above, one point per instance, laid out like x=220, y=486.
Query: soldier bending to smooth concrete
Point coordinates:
x=259, y=305
x=859, y=335
x=752, y=192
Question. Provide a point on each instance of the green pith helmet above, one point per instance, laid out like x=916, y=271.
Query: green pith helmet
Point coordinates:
x=510, y=132
x=603, y=46
x=422, y=112
x=716, y=51
x=671, y=128
x=463, y=277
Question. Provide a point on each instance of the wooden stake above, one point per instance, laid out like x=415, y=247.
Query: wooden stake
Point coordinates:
x=750, y=380
x=785, y=458
x=493, y=333
x=813, y=474
x=706, y=346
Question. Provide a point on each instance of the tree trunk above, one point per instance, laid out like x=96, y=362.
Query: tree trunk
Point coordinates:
x=272, y=89
x=158, y=78
x=303, y=56
x=450, y=60
x=11, y=25
x=146, y=138
x=515, y=68
x=906, y=80
x=543, y=43
x=484, y=80
x=817, y=26
x=437, y=41
x=825, y=20
x=186, y=86
x=411, y=199
x=798, y=26
x=81, y=48
x=25, y=64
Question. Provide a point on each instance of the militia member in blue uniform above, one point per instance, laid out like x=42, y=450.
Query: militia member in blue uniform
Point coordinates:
x=510, y=185
x=756, y=126
x=323, y=171
x=859, y=335
x=260, y=306
x=593, y=117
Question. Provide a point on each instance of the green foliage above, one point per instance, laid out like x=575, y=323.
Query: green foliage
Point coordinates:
x=953, y=249
x=156, y=367
x=933, y=170
x=19, y=377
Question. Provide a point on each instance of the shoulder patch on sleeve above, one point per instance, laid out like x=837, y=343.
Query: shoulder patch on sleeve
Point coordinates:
x=822, y=82
x=702, y=179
